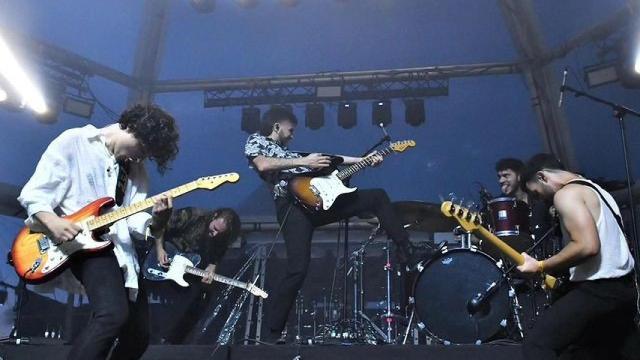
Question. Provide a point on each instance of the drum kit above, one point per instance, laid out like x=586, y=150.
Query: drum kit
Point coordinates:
x=462, y=293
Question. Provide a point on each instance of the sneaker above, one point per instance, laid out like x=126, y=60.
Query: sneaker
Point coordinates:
x=275, y=338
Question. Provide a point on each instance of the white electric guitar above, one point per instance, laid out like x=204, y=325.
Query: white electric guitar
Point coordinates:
x=181, y=264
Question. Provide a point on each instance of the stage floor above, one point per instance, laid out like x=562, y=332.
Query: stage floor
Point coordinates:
x=264, y=352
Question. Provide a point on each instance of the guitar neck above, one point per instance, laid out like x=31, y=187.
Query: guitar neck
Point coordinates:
x=219, y=278
x=121, y=213
x=501, y=245
x=367, y=161
x=549, y=281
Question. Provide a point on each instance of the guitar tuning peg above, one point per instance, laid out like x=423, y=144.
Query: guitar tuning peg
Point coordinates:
x=461, y=201
x=452, y=197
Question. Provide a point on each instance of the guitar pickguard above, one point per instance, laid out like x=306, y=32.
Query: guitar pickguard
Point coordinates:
x=328, y=188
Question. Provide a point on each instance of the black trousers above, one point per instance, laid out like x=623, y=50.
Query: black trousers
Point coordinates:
x=594, y=317
x=194, y=301
x=297, y=229
x=112, y=314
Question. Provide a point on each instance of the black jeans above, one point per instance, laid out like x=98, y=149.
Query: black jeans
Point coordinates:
x=594, y=315
x=112, y=314
x=194, y=301
x=297, y=230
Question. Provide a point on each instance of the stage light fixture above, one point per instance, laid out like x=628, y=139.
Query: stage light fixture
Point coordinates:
x=289, y=3
x=203, y=6
x=381, y=112
x=247, y=4
x=347, y=115
x=414, y=114
x=314, y=116
x=250, y=122
x=17, y=78
x=78, y=106
x=601, y=74
x=286, y=107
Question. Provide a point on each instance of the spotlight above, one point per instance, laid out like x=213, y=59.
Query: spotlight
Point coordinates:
x=347, y=115
x=247, y=4
x=3, y=95
x=250, y=122
x=78, y=106
x=381, y=112
x=203, y=6
x=289, y=3
x=286, y=107
x=16, y=76
x=314, y=116
x=601, y=74
x=414, y=112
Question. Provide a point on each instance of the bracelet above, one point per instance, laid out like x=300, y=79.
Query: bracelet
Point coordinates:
x=541, y=266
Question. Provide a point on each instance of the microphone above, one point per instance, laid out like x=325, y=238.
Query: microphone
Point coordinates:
x=475, y=303
x=564, y=84
x=384, y=131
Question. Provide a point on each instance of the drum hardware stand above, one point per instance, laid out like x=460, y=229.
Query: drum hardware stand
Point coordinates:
x=259, y=272
x=357, y=259
x=476, y=303
x=227, y=330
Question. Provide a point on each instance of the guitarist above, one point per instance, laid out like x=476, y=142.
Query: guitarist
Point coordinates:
x=268, y=154
x=602, y=295
x=207, y=233
x=82, y=165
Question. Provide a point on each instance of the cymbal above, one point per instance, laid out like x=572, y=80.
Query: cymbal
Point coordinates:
x=423, y=216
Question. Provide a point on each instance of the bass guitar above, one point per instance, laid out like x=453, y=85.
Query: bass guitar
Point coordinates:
x=472, y=222
x=185, y=263
x=36, y=258
x=320, y=192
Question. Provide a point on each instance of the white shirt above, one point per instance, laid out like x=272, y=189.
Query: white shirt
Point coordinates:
x=614, y=258
x=76, y=169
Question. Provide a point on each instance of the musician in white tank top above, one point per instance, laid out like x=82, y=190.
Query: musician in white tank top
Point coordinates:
x=597, y=256
x=614, y=258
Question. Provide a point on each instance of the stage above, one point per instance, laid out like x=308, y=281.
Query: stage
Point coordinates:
x=306, y=352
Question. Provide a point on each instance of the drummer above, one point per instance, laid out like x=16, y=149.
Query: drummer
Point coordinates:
x=508, y=171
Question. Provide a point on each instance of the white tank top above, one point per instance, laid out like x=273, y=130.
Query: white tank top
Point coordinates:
x=614, y=258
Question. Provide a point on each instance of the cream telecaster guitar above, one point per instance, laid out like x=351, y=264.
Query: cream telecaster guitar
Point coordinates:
x=185, y=263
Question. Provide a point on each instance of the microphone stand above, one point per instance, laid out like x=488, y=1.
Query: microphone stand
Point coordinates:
x=385, y=138
x=619, y=112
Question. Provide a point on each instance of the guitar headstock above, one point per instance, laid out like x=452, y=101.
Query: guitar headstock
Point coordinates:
x=256, y=291
x=400, y=146
x=469, y=220
x=212, y=182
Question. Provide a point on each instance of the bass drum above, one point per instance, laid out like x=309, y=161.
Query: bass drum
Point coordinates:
x=443, y=292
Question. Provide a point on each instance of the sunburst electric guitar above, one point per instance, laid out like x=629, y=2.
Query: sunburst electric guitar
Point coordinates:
x=472, y=222
x=320, y=192
x=185, y=263
x=36, y=258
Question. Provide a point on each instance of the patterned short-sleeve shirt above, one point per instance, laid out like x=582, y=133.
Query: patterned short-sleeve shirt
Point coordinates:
x=261, y=145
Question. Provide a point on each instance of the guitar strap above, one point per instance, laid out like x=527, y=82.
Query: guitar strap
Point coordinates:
x=121, y=184
x=615, y=215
